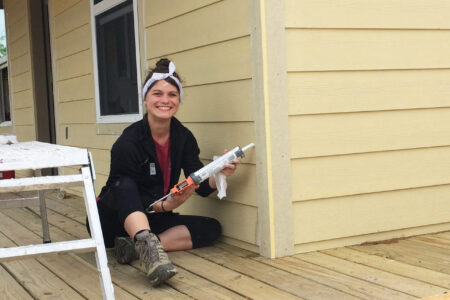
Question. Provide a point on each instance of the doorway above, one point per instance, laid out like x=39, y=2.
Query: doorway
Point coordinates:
x=42, y=71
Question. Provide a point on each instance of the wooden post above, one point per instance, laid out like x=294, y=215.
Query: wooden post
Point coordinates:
x=272, y=128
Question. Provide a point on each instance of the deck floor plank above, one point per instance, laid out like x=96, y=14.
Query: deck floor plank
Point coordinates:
x=278, y=278
x=242, y=284
x=402, y=284
x=433, y=241
x=134, y=281
x=407, y=255
x=40, y=282
x=395, y=270
x=347, y=284
x=82, y=278
x=392, y=266
x=65, y=224
x=443, y=235
x=10, y=288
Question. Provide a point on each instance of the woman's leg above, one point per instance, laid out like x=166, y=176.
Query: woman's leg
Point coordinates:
x=176, y=238
x=135, y=222
x=178, y=232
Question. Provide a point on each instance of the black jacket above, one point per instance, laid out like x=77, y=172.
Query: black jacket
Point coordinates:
x=134, y=152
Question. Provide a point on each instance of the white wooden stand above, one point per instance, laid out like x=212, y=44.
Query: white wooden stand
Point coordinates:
x=36, y=156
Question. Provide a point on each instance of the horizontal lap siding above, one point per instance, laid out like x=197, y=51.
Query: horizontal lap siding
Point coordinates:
x=74, y=82
x=19, y=67
x=369, y=104
x=209, y=41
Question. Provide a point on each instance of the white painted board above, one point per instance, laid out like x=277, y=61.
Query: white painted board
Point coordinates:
x=38, y=155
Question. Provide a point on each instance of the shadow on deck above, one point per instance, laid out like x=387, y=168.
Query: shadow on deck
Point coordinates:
x=399, y=269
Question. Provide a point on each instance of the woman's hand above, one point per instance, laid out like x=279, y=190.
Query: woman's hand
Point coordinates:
x=231, y=167
x=227, y=171
x=173, y=202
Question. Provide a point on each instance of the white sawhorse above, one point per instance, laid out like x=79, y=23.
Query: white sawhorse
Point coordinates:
x=36, y=156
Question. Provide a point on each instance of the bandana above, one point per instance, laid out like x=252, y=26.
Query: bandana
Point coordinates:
x=161, y=76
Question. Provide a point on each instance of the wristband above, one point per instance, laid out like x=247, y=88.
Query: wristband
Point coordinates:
x=162, y=206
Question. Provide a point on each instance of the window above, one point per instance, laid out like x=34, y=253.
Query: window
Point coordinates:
x=5, y=107
x=5, y=111
x=116, y=56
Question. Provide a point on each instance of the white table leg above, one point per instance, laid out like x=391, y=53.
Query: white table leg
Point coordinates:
x=96, y=232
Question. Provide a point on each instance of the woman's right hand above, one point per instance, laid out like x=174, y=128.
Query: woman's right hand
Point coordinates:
x=173, y=202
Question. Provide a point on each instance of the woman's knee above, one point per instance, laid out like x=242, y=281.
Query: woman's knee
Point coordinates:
x=207, y=231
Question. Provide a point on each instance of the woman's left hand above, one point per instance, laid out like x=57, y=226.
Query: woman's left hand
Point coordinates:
x=231, y=167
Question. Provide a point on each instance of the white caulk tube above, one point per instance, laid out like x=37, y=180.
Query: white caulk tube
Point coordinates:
x=218, y=164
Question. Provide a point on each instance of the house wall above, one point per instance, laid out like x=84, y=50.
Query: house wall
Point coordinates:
x=72, y=55
x=209, y=41
x=19, y=66
x=369, y=104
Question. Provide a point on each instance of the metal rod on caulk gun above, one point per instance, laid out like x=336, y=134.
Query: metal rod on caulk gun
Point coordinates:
x=204, y=173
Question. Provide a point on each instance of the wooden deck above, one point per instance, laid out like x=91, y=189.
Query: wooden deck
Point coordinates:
x=404, y=269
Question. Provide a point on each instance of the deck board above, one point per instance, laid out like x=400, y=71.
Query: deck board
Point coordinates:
x=400, y=269
x=278, y=278
x=395, y=282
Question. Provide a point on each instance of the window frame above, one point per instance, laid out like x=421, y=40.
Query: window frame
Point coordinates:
x=3, y=65
x=96, y=10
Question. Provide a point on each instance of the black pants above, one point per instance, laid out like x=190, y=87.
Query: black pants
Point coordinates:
x=124, y=199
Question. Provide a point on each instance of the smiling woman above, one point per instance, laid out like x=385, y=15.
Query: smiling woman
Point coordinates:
x=146, y=161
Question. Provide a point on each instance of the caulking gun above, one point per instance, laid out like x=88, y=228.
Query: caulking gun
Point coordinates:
x=204, y=173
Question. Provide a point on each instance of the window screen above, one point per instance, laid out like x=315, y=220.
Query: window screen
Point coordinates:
x=5, y=112
x=116, y=58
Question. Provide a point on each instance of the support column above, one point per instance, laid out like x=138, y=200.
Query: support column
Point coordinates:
x=272, y=128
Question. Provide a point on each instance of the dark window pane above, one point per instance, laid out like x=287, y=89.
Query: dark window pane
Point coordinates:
x=5, y=111
x=116, y=56
x=97, y=1
x=5, y=94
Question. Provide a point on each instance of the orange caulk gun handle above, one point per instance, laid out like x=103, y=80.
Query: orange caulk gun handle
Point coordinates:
x=181, y=186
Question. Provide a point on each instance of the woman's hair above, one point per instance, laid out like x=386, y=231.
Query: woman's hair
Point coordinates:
x=162, y=66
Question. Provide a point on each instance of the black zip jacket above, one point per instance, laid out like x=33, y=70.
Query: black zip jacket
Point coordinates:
x=134, y=155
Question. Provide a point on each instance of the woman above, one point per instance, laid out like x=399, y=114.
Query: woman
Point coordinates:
x=146, y=161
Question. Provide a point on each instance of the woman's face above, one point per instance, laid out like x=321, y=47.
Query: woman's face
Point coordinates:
x=162, y=100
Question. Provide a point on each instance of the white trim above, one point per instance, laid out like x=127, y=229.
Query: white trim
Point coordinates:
x=105, y=5
x=138, y=55
x=130, y=118
x=96, y=10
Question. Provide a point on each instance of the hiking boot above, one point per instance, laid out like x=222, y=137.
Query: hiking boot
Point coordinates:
x=151, y=254
x=124, y=250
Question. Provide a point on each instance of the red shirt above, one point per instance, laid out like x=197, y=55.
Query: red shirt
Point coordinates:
x=163, y=154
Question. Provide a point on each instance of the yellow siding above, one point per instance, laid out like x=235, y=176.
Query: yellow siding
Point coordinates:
x=74, y=83
x=220, y=62
x=208, y=25
x=209, y=41
x=22, y=99
x=368, y=213
x=312, y=135
x=72, y=18
x=369, y=102
x=220, y=102
x=160, y=11
x=429, y=14
x=21, y=83
x=331, y=92
x=62, y=5
x=73, y=42
x=19, y=65
x=353, y=49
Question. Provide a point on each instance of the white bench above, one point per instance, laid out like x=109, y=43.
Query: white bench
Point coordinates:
x=37, y=156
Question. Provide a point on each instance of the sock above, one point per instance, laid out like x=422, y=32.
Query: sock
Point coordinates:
x=138, y=233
